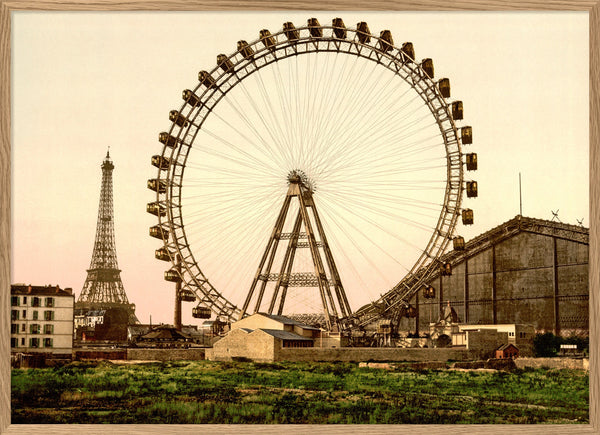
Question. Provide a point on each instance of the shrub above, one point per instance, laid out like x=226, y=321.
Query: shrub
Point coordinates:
x=546, y=344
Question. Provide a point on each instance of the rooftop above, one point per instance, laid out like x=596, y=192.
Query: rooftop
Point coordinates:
x=38, y=290
x=284, y=335
x=288, y=321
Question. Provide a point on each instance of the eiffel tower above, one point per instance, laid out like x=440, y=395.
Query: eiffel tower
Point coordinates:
x=103, y=288
x=308, y=227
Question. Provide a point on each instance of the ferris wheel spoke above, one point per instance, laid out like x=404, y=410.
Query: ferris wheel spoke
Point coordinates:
x=371, y=223
x=372, y=120
x=377, y=161
x=390, y=201
x=267, y=144
x=322, y=112
x=384, y=206
x=268, y=155
x=344, y=224
x=222, y=209
x=329, y=117
x=394, y=216
x=381, y=140
x=320, y=76
x=269, y=127
x=280, y=135
x=338, y=127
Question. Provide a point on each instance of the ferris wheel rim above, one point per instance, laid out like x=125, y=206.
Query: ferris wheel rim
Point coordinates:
x=392, y=58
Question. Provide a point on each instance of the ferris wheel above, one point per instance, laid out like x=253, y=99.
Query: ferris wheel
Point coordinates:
x=323, y=117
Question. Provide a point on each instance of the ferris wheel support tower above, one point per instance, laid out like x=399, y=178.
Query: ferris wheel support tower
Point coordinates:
x=335, y=305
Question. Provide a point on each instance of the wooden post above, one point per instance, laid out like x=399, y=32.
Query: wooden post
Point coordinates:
x=555, y=287
x=417, y=316
x=177, y=316
x=441, y=304
x=494, y=311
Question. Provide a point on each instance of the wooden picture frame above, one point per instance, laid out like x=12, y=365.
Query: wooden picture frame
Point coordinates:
x=592, y=7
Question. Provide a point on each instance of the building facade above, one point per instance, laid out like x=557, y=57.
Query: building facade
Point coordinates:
x=41, y=320
x=261, y=336
x=525, y=271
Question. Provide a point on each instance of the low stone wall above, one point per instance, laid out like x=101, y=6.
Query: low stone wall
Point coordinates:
x=150, y=354
x=491, y=364
x=430, y=365
x=554, y=363
x=83, y=354
x=358, y=354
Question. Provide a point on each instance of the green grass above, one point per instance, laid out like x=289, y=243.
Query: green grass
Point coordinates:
x=316, y=393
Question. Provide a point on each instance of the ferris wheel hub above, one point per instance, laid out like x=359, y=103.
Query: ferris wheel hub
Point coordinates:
x=298, y=176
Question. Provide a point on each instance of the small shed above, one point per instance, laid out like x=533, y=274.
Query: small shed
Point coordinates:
x=508, y=350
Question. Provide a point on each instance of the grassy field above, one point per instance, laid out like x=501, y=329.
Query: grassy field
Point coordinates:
x=316, y=393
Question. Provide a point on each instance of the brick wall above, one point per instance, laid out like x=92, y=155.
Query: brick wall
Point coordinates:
x=484, y=343
x=257, y=345
x=193, y=354
x=100, y=354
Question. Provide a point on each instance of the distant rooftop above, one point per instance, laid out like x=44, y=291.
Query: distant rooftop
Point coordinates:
x=288, y=321
x=285, y=335
x=37, y=290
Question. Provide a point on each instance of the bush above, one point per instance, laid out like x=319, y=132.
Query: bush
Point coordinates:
x=583, y=343
x=546, y=345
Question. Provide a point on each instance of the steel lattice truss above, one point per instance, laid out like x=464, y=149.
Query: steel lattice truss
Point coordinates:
x=103, y=287
x=248, y=59
x=325, y=276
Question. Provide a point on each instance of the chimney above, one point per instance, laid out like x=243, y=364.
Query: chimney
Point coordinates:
x=29, y=289
x=69, y=290
x=57, y=289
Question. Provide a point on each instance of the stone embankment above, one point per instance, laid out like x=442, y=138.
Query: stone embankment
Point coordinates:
x=490, y=364
x=554, y=363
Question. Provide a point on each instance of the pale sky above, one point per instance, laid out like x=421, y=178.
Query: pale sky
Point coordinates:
x=82, y=82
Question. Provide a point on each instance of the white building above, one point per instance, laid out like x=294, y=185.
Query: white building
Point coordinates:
x=89, y=318
x=41, y=319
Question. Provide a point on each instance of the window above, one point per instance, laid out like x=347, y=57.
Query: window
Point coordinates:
x=22, y=327
x=47, y=342
x=24, y=314
x=48, y=315
x=14, y=342
x=511, y=334
x=14, y=301
x=35, y=315
x=22, y=341
x=24, y=300
x=14, y=315
x=34, y=328
x=35, y=302
x=34, y=342
x=48, y=329
x=14, y=328
x=49, y=302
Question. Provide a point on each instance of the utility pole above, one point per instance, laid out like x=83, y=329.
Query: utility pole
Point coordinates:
x=520, y=197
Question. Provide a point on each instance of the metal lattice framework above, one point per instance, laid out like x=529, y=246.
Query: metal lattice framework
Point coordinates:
x=103, y=287
x=247, y=60
x=325, y=276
